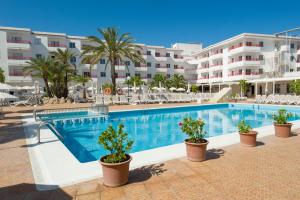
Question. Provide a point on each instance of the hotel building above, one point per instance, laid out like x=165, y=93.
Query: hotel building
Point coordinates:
x=19, y=45
x=268, y=62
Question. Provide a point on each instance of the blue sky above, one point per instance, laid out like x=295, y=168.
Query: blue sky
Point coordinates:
x=154, y=22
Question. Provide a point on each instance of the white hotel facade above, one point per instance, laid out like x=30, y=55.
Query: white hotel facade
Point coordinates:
x=268, y=62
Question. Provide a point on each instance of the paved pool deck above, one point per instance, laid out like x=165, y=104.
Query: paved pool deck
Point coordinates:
x=269, y=171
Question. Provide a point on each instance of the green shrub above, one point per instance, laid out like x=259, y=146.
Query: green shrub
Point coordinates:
x=116, y=142
x=194, y=129
x=194, y=88
x=243, y=127
x=282, y=116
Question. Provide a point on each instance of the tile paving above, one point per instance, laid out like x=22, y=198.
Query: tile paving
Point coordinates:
x=268, y=171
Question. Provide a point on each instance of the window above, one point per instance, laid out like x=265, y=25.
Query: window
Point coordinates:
x=175, y=56
x=291, y=70
x=298, y=69
x=167, y=54
x=38, y=55
x=127, y=75
x=221, y=50
x=148, y=64
x=102, y=61
x=157, y=65
x=261, y=57
x=248, y=71
x=138, y=75
x=148, y=75
x=137, y=64
x=73, y=59
x=86, y=74
x=103, y=74
x=261, y=44
x=248, y=43
x=127, y=63
x=175, y=66
x=292, y=46
x=37, y=41
x=168, y=76
x=16, y=38
x=157, y=54
x=240, y=71
x=168, y=65
x=149, y=53
x=260, y=71
x=72, y=45
x=247, y=58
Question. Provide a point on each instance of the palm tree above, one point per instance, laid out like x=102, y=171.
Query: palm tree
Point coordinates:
x=243, y=87
x=158, y=78
x=40, y=68
x=2, y=76
x=178, y=81
x=63, y=57
x=82, y=80
x=135, y=80
x=115, y=47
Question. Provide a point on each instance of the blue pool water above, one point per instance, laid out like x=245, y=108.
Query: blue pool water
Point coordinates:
x=154, y=128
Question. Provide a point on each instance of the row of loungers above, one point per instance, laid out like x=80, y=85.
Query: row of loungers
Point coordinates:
x=150, y=98
x=278, y=99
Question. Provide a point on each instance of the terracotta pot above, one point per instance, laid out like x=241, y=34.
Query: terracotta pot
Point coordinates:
x=115, y=174
x=248, y=139
x=283, y=130
x=196, y=152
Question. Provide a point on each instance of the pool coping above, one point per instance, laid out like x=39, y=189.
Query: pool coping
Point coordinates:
x=49, y=169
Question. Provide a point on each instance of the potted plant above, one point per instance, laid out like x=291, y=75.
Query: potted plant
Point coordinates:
x=115, y=166
x=247, y=135
x=282, y=127
x=196, y=144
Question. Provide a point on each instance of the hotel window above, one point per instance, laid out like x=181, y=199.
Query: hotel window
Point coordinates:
x=127, y=63
x=298, y=69
x=149, y=53
x=148, y=75
x=260, y=71
x=240, y=58
x=103, y=74
x=102, y=61
x=137, y=64
x=168, y=65
x=127, y=75
x=157, y=65
x=221, y=50
x=248, y=71
x=86, y=74
x=37, y=41
x=157, y=54
x=248, y=43
x=167, y=54
x=72, y=45
x=175, y=56
x=240, y=71
x=261, y=57
x=175, y=66
x=148, y=64
x=248, y=57
x=38, y=55
x=261, y=44
x=168, y=76
x=138, y=75
x=16, y=38
x=292, y=46
x=73, y=59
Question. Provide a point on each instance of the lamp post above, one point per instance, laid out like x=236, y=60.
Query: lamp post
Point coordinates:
x=128, y=78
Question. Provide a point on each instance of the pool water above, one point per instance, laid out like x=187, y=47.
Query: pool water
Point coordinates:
x=154, y=128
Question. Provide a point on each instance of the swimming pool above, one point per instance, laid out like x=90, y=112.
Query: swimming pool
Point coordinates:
x=154, y=128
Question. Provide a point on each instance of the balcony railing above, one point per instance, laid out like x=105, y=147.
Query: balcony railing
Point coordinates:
x=19, y=57
x=216, y=65
x=164, y=67
x=216, y=76
x=19, y=41
x=244, y=59
x=57, y=45
x=17, y=73
x=242, y=44
x=178, y=67
x=244, y=74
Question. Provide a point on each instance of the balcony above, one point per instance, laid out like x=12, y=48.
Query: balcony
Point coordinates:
x=240, y=48
x=179, y=69
x=17, y=75
x=216, y=67
x=120, y=79
x=18, y=44
x=216, y=56
x=120, y=67
x=161, y=58
x=54, y=46
x=161, y=69
x=243, y=75
x=142, y=68
x=18, y=60
x=245, y=62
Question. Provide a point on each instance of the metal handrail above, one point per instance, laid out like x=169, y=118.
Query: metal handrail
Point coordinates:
x=53, y=128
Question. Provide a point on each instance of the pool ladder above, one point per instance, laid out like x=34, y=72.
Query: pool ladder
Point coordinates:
x=52, y=127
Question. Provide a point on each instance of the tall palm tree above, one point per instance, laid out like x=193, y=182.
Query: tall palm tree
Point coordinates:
x=115, y=47
x=40, y=68
x=158, y=78
x=135, y=80
x=2, y=76
x=178, y=81
x=82, y=80
x=63, y=57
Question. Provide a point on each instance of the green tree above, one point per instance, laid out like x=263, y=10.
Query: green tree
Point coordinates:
x=82, y=80
x=194, y=88
x=243, y=87
x=63, y=57
x=135, y=79
x=2, y=76
x=178, y=81
x=159, y=78
x=295, y=87
x=115, y=47
x=40, y=68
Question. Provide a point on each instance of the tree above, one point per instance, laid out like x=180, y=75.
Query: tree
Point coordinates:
x=178, y=81
x=82, y=80
x=295, y=87
x=243, y=87
x=194, y=88
x=135, y=80
x=115, y=47
x=158, y=78
x=2, y=76
x=40, y=68
x=63, y=57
